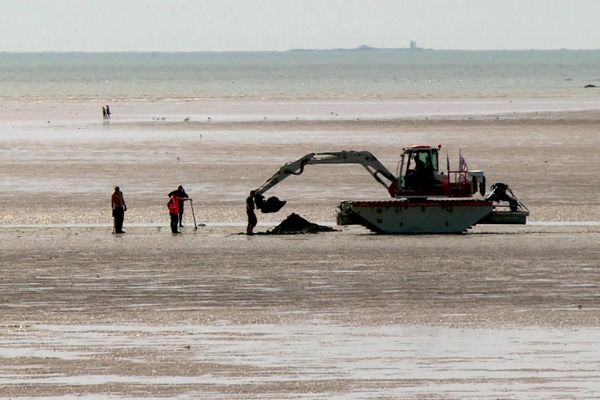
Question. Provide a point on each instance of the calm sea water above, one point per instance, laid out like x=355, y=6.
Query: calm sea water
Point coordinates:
x=300, y=74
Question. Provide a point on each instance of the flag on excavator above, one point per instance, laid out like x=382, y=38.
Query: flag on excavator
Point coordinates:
x=462, y=163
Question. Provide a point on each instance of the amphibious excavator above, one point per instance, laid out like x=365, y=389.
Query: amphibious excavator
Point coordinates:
x=425, y=198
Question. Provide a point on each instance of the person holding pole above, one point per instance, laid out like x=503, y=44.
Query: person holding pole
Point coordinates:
x=180, y=192
x=174, y=210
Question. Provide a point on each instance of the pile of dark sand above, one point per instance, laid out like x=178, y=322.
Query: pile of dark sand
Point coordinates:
x=295, y=224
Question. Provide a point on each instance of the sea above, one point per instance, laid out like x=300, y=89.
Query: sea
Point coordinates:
x=301, y=74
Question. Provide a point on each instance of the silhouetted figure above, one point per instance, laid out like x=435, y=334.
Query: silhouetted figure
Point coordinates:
x=107, y=112
x=118, y=210
x=104, y=113
x=421, y=176
x=252, y=221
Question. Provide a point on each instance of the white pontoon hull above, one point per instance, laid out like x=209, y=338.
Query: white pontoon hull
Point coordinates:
x=410, y=216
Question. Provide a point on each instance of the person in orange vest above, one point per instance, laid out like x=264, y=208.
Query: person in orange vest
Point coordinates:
x=174, y=209
x=118, y=210
x=180, y=192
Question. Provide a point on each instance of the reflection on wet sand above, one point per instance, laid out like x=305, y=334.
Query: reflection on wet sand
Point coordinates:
x=308, y=359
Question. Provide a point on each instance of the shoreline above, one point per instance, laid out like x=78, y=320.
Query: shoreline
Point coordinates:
x=272, y=224
x=259, y=113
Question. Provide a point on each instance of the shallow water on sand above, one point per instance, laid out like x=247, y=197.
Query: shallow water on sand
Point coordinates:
x=507, y=312
x=308, y=360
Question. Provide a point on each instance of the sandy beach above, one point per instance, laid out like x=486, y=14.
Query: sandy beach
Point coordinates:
x=498, y=312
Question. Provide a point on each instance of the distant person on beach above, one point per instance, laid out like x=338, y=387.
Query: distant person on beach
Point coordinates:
x=103, y=112
x=118, y=209
x=250, y=212
x=107, y=112
x=173, y=206
x=182, y=195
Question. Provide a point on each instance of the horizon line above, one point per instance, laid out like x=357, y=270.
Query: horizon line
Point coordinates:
x=353, y=49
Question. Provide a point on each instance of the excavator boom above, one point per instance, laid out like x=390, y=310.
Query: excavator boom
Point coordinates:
x=364, y=158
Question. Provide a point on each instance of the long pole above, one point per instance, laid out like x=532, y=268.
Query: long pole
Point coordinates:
x=193, y=215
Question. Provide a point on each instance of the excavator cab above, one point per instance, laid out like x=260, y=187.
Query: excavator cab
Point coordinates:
x=419, y=175
x=418, y=170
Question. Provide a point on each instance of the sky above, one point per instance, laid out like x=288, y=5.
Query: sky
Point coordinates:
x=255, y=25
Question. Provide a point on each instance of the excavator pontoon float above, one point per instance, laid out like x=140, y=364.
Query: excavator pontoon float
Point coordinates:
x=425, y=198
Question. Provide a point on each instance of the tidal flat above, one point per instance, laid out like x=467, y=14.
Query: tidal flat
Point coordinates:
x=497, y=312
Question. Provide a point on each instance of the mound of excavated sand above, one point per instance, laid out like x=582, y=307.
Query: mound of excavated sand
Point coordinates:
x=295, y=224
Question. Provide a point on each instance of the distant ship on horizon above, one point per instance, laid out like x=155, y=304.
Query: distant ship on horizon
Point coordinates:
x=364, y=47
x=413, y=45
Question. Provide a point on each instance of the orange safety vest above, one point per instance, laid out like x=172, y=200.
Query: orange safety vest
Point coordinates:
x=173, y=205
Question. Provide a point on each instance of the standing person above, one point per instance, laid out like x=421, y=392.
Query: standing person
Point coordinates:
x=173, y=206
x=107, y=112
x=118, y=209
x=103, y=112
x=250, y=212
x=180, y=192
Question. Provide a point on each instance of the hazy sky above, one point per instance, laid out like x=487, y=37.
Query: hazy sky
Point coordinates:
x=221, y=25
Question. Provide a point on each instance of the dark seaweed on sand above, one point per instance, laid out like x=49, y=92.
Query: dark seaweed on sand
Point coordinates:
x=295, y=224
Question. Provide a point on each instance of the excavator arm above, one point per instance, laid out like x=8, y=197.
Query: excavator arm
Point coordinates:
x=364, y=158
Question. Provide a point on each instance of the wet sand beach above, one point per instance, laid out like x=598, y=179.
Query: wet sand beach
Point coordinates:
x=498, y=312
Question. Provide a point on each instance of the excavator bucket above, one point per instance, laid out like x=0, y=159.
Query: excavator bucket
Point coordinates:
x=271, y=205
